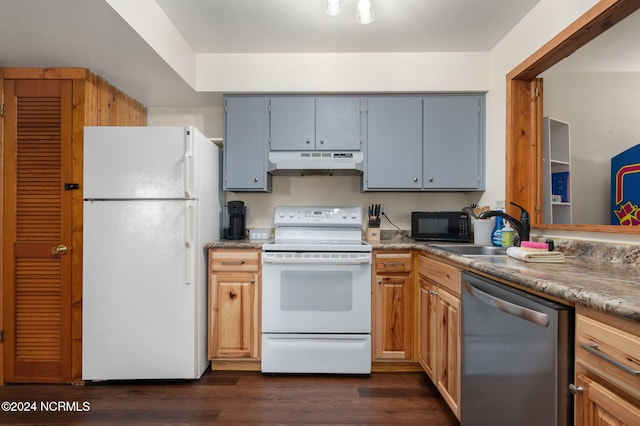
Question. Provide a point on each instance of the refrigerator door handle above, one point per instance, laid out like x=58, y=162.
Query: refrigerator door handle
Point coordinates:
x=188, y=167
x=188, y=241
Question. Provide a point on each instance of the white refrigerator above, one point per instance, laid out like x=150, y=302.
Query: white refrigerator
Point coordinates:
x=151, y=203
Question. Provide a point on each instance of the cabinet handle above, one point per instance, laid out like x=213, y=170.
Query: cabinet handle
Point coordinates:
x=575, y=390
x=430, y=179
x=433, y=293
x=391, y=281
x=321, y=141
x=415, y=179
x=235, y=262
x=255, y=179
x=592, y=348
x=308, y=141
x=386, y=264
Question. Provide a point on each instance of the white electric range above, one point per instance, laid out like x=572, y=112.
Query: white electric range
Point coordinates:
x=316, y=293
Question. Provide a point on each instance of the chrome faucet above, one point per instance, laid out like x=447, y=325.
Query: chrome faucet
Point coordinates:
x=522, y=227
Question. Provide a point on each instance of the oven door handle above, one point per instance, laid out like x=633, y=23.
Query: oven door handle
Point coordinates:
x=294, y=260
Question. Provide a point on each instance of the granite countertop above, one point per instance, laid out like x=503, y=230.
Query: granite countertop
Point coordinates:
x=236, y=244
x=601, y=279
x=594, y=278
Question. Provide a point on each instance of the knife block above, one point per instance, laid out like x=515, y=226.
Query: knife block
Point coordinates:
x=373, y=235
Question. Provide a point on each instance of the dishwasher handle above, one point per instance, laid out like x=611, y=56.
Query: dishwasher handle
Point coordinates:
x=510, y=308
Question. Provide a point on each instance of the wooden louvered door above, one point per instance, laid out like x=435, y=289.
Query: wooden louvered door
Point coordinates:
x=37, y=223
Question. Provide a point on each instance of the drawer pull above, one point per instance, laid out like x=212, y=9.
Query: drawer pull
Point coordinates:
x=235, y=262
x=393, y=264
x=592, y=348
x=391, y=281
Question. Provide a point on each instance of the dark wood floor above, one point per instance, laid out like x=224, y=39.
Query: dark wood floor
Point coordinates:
x=234, y=398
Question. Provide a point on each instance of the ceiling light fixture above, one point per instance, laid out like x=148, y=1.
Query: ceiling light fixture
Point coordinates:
x=364, y=10
x=332, y=7
x=365, y=13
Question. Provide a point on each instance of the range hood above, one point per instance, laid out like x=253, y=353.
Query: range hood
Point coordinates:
x=315, y=162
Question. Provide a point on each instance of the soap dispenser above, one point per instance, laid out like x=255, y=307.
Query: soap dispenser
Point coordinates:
x=507, y=235
x=496, y=235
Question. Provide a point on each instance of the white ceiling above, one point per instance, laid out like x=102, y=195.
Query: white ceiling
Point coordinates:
x=89, y=33
x=286, y=26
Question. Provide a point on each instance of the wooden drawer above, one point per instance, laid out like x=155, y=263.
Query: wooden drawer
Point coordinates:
x=240, y=260
x=610, y=352
x=393, y=262
x=443, y=274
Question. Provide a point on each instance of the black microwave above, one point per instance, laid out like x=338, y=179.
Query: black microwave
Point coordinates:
x=440, y=226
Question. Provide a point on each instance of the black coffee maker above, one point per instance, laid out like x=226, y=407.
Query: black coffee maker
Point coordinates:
x=235, y=215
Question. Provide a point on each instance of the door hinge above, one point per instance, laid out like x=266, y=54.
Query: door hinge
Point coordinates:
x=1, y=336
x=1, y=110
x=537, y=92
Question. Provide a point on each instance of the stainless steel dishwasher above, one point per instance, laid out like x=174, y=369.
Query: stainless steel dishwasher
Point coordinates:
x=517, y=356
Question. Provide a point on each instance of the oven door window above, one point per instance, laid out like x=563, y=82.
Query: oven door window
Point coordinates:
x=311, y=298
x=313, y=291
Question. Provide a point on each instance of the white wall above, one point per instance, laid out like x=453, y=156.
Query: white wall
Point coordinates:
x=342, y=72
x=380, y=73
x=208, y=120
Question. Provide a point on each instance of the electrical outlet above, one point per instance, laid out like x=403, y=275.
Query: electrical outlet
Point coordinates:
x=500, y=204
x=383, y=209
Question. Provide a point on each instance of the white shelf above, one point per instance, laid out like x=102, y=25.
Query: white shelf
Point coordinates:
x=556, y=157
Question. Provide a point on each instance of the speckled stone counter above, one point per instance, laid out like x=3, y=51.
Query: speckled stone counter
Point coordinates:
x=236, y=244
x=603, y=277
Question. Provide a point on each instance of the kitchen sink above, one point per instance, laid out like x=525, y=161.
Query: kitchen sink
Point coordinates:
x=472, y=250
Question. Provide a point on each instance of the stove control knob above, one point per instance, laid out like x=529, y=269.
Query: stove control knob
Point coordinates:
x=292, y=213
x=281, y=214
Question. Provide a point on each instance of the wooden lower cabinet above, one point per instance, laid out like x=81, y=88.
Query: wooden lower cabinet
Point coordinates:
x=439, y=327
x=234, y=304
x=607, y=385
x=427, y=326
x=393, y=306
x=597, y=404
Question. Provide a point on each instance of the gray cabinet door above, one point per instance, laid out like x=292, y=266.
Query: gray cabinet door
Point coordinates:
x=293, y=123
x=453, y=142
x=306, y=123
x=245, y=144
x=338, y=124
x=394, y=143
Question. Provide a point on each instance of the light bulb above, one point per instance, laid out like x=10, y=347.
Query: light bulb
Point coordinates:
x=365, y=13
x=333, y=7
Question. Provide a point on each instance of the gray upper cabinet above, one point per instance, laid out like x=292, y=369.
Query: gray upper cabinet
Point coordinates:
x=425, y=143
x=394, y=143
x=432, y=142
x=245, y=144
x=453, y=151
x=303, y=123
x=338, y=124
